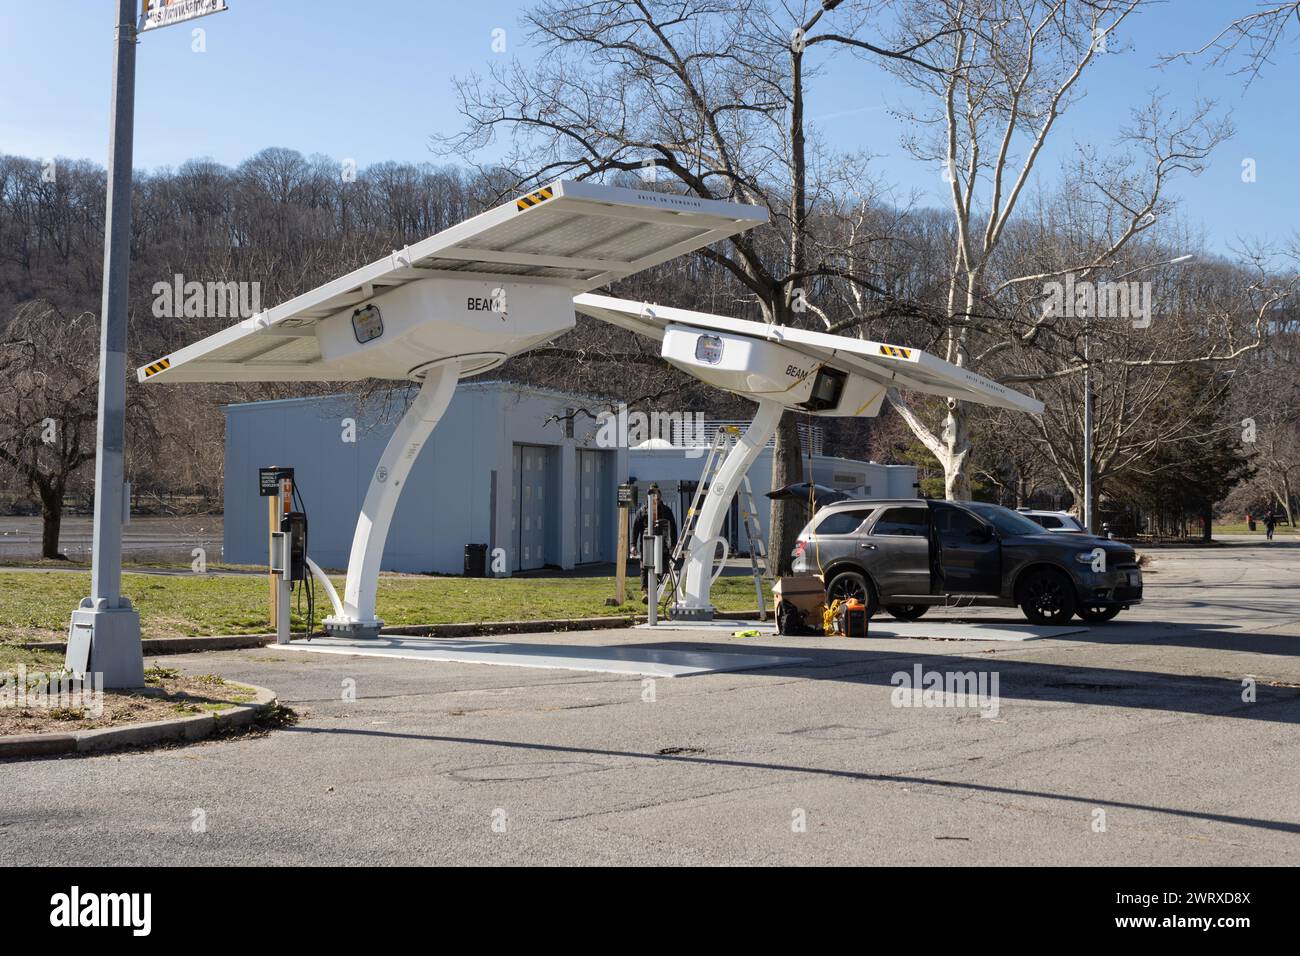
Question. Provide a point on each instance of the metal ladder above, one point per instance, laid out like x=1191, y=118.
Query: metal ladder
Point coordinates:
x=723, y=440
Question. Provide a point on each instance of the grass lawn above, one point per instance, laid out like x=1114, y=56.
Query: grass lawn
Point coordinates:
x=35, y=606
x=1243, y=528
x=12, y=656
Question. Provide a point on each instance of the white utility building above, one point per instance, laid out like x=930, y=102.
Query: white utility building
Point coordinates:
x=510, y=466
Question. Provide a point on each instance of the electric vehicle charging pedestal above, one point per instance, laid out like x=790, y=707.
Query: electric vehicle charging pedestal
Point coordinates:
x=280, y=569
x=652, y=550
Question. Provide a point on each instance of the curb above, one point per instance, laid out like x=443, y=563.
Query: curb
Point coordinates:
x=195, y=727
x=509, y=627
x=177, y=645
x=236, y=642
x=538, y=627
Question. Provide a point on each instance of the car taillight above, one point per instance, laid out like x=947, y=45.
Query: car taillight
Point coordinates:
x=798, y=549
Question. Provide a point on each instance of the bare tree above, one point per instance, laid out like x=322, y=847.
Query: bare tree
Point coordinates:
x=1009, y=70
x=48, y=406
x=708, y=96
x=1254, y=36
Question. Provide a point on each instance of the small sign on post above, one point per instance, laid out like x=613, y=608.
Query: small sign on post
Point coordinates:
x=164, y=13
x=626, y=498
x=268, y=481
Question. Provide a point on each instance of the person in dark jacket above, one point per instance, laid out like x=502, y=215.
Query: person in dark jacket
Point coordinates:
x=667, y=527
x=1270, y=522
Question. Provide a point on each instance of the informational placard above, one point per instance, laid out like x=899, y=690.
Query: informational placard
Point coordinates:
x=626, y=496
x=268, y=480
x=164, y=13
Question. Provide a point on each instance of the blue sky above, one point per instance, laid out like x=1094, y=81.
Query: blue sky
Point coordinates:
x=371, y=81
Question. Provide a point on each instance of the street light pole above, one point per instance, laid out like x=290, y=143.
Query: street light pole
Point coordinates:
x=1087, y=428
x=104, y=635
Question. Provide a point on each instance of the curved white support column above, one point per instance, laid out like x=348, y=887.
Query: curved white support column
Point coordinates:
x=386, y=484
x=695, y=604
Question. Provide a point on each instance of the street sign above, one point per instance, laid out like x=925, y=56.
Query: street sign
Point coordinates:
x=626, y=496
x=164, y=13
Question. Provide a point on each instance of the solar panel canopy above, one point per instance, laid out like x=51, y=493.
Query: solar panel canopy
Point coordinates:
x=490, y=287
x=815, y=372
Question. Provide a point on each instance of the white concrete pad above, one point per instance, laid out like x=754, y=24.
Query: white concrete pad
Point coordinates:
x=717, y=624
x=969, y=631
x=639, y=661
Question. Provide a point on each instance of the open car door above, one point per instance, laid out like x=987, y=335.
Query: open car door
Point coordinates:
x=965, y=554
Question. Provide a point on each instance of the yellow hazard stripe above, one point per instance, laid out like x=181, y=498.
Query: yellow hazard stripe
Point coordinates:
x=533, y=199
x=157, y=367
x=896, y=351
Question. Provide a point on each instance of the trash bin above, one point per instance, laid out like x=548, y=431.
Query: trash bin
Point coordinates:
x=476, y=560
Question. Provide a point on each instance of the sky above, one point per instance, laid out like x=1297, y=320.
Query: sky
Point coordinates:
x=371, y=81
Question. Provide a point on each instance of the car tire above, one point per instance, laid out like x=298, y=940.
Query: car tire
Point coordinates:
x=907, y=612
x=1098, y=615
x=1047, y=597
x=853, y=584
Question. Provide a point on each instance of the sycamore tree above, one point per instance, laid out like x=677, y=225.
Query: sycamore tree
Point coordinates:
x=1008, y=71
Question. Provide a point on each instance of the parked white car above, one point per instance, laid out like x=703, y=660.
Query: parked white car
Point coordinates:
x=1053, y=520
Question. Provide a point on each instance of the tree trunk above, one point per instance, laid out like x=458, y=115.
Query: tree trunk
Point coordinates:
x=956, y=440
x=51, y=520
x=785, y=517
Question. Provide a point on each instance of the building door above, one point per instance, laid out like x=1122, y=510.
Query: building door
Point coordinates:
x=529, y=496
x=594, y=518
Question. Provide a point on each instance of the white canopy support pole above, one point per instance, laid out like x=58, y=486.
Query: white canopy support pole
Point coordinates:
x=386, y=484
x=695, y=603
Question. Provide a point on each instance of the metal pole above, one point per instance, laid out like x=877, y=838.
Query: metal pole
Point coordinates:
x=650, y=552
x=115, y=648
x=1087, y=430
x=106, y=575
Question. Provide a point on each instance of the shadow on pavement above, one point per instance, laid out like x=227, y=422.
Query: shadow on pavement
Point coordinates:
x=1278, y=825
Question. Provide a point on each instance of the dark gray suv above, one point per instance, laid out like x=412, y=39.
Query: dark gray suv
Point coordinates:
x=909, y=555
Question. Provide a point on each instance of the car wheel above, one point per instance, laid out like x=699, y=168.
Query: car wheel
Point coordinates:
x=850, y=584
x=906, y=612
x=1047, y=597
x=1098, y=615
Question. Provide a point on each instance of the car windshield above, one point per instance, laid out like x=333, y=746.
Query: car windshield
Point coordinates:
x=1005, y=520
